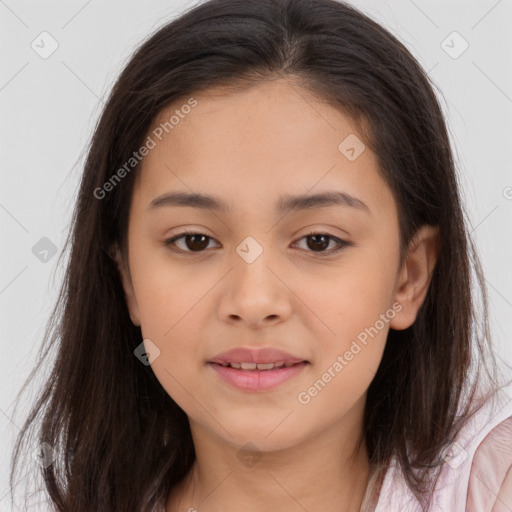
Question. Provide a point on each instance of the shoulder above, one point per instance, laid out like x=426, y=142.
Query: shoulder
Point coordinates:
x=477, y=473
x=490, y=482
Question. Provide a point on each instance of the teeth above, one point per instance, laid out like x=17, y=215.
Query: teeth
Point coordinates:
x=265, y=366
x=259, y=366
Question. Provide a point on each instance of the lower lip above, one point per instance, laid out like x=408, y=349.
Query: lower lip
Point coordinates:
x=257, y=380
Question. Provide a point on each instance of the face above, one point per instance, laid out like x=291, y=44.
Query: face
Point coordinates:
x=319, y=280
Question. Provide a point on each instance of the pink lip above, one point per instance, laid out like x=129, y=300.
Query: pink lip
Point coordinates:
x=257, y=380
x=250, y=355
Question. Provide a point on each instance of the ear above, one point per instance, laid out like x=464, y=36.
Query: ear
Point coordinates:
x=126, y=279
x=415, y=275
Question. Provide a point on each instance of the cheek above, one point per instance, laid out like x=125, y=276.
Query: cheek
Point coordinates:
x=351, y=315
x=173, y=302
x=172, y=321
x=167, y=292
x=347, y=299
x=347, y=358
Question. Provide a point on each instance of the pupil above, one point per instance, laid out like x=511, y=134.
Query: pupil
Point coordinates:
x=316, y=245
x=201, y=245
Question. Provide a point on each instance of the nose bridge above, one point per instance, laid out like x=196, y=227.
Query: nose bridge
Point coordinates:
x=254, y=291
x=252, y=266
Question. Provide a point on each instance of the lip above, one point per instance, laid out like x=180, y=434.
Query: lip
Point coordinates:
x=251, y=355
x=257, y=380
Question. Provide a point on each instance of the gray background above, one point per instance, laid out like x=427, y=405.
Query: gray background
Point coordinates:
x=48, y=107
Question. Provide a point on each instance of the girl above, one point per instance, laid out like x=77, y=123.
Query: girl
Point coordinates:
x=268, y=299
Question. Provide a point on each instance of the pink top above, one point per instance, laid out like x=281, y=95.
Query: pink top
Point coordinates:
x=477, y=475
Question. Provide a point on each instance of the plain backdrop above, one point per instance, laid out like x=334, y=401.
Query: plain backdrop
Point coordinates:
x=49, y=105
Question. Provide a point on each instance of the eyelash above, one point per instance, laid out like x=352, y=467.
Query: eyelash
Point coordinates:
x=342, y=244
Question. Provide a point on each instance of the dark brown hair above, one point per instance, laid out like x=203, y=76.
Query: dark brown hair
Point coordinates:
x=121, y=442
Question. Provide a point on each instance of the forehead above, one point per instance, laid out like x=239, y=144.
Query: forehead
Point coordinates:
x=256, y=145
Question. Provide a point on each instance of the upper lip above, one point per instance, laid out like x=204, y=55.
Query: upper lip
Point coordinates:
x=251, y=355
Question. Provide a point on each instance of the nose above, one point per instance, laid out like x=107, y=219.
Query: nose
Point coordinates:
x=255, y=294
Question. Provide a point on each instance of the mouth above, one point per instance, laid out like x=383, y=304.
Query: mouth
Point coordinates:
x=247, y=366
x=257, y=377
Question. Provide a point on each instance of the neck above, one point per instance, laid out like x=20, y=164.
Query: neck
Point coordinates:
x=329, y=471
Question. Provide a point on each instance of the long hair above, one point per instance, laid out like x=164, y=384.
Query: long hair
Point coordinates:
x=120, y=441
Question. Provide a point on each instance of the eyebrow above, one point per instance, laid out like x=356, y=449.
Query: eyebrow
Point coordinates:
x=284, y=204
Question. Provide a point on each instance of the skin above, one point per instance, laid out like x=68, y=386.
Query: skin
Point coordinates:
x=249, y=148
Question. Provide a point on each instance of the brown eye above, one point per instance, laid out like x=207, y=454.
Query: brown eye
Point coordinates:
x=319, y=242
x=193, y=242
x=196, y=242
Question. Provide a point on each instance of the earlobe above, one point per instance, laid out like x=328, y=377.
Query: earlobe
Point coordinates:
x=415, y=275
x=131, y=301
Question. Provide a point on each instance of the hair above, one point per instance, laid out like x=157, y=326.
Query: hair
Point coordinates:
x=121, y=442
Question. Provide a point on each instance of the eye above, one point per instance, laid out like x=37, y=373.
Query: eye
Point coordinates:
x=197, y=242
x=194, y=240
x=322, y=240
